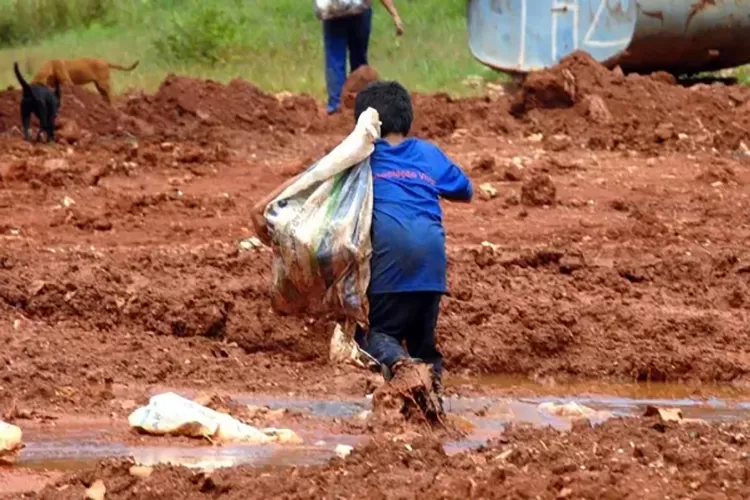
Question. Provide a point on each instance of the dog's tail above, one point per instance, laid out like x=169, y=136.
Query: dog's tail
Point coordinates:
x=123, y=68
x=24, y=84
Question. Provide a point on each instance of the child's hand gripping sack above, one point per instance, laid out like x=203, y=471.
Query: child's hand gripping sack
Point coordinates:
x=320, y=227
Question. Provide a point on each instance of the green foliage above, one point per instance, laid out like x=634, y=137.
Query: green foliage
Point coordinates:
x=206, y=34
x=276, y=44
x=23, y=21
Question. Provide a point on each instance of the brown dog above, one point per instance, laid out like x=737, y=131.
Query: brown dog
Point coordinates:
x=79, y=72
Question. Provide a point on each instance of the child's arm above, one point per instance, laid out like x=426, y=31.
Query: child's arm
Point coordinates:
x=388, y=4
x=453, y=184
x=259, y=221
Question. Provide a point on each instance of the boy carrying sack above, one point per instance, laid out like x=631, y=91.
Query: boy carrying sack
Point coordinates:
x=408, y=262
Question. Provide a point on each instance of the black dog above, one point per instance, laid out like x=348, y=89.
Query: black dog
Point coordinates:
x=40, y=100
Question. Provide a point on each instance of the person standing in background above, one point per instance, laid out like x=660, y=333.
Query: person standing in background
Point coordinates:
x=347, y=25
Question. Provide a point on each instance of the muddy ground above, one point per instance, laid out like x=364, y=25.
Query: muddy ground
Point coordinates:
x=609, y=240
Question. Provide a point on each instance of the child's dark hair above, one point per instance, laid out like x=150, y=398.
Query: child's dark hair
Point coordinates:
x=392, y=102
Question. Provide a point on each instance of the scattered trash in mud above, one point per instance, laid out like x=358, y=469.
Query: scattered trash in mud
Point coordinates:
x=343, y=450
x=344, y=350
x=667, y=415
x=11, y=442
x=572, y=410
x=96, y=491
x=171, y=414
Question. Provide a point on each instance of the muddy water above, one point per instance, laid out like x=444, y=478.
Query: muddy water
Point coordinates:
x=73, y=448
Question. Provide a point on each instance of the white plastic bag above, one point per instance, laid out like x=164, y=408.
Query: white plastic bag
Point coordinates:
x=320, y=226
x=10, y=442
x=344, y=350
x=170, y=413
x=331, y=9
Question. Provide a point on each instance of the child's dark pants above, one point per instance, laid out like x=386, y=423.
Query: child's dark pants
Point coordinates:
x=408, y=317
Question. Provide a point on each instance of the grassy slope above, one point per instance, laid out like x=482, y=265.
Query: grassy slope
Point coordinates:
x=286, y=43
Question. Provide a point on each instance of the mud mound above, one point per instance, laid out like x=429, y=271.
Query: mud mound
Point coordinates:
x=10, y=105
x=186, y=102
x=538, y=191
x=583, y=99
x=358, y=80
x=718, y=174
x=440, y=115
x=562, y=86
x=89, y=111
x=81, y=112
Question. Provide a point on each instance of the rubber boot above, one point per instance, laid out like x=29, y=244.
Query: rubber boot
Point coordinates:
x=390, y=371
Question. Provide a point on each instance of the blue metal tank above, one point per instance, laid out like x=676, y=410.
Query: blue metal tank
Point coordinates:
x=679, y=36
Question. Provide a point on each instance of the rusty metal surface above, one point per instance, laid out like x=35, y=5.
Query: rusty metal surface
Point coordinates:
x=681, y=36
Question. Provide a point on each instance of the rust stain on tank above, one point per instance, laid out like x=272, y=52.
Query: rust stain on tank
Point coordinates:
x=656, y=15
x=698, y=7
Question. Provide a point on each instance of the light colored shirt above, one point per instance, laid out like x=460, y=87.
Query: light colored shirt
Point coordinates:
x=332, y=9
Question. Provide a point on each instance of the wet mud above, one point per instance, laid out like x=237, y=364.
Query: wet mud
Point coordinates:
x=514, y=445
x=612, y=245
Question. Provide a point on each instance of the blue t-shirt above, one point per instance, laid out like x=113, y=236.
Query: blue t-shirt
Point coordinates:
x=408, y=240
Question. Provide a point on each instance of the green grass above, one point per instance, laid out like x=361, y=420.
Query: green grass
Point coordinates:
x=277, y=44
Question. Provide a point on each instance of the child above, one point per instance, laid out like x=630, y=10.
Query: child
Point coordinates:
x=408, y=255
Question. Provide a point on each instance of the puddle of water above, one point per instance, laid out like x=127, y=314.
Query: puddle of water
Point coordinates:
x=73, y=453
x=644, y=390
x=499, y=412
x=317, y=407
x=76, y=447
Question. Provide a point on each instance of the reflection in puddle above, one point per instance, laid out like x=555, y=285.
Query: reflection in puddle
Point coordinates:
x=635, y=391
x=317, y=407
x=76, y=451
x=76, y=448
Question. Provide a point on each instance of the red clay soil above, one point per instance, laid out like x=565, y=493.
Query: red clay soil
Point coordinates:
x=121, y=267
x=622, y=458
x=357, y=81
x=606, y=109
x=184, y=103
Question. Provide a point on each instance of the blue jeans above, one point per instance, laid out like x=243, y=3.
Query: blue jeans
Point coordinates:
x=408, y=317
x=340, y=34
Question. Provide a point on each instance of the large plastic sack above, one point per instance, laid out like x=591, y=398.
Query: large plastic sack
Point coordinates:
x=171, y=414
x=320, y=226
x=10, y=442
x=331, y=9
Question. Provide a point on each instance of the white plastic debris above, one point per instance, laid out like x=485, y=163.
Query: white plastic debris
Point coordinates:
x=96, y=491
x=488, y=191
x=152, y=457
x=343, y=450
x=364, y=415
x=283, y=436
x=344, y=349
x=170, y=413
x=250, y=243
x=569, y=410
x=11, y=442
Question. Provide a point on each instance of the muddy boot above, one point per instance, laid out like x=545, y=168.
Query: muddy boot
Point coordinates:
x=408, y=393
x=390, y=372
